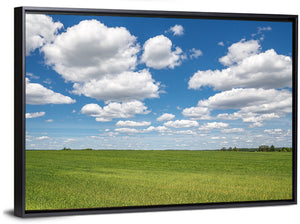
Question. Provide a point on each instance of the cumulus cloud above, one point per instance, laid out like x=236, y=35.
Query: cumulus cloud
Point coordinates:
x=40, y=29
x=132, y=123
x=90, y=50
x=277, y=131
x=248, y=67
x=160, y=129
x=253, y=105
x=185, y=132
x=36, y=94
x=114, y=110
x=195, y=53
x=251, y=100
x=35, y=114
x=43, y=138
x=125, y=86
x=177, y=30
x=233, y=130
x=127, y=130
x=239, y=51
x=158, y=53
x=165, y=117
x=181, y=124
x=100, y=61
x=197, y=113
x=213, y=125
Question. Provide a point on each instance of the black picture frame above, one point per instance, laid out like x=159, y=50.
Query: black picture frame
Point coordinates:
x=19, y=105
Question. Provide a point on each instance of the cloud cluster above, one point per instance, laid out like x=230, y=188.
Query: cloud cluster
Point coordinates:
x=256, y=91
x=90, y=50
x=36, y=94
x=181, y=124
x=125, y=86
x=158, y=53
x=101, y=62
x=165, y=117
x=239, y=51
x=160, y=129
x=197, y=113
x=43, y=138
x=132, y=123
x=249, y=68
x=195, y=53
x=35, y=114
x=252, y=105
x=232, y=130
x=213, y=125
x=114, y=110
x=177, y=30
x=40, y=29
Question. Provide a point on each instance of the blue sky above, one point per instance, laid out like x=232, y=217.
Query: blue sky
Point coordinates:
x=157, y=83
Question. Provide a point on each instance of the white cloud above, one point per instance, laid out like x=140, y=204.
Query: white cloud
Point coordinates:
x=165, y=117
x=69, y=140
x=40, y=29
x=132, y=123
x=197, y=113
x=32, y=76
x=251, y=100
x=221, y=43
x=253, y=105
x=181, y=124
x=217, y=138
x=43, y=138
x=127, y=130
x=100, y=61
x=114, y=110
x=36, y=94
x=160, y=129
x=213, y=125
x=257, y=120
x=35, y=114
x=261, y=29
x=195, y=53
x=239, y=51
x=90, y=50
x=177, y=30
x=248, y=67
x=49, y=120
x=185, y=132
x=125, y=86
x=273, y=131
x=158, y=53
x=233, y=130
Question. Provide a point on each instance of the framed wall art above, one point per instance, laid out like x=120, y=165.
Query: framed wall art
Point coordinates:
x=128, y=111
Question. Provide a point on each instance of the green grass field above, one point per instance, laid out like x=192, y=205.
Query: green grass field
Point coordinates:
x=109, y=178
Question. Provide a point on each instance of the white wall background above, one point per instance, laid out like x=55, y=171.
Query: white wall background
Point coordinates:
x=257, y=215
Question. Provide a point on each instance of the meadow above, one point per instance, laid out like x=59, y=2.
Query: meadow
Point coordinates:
x=57, y=179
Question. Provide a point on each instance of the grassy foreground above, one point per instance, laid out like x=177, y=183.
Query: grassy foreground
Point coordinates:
x=109, y=178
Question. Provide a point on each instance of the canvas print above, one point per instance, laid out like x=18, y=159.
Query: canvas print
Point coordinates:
x=143, y=111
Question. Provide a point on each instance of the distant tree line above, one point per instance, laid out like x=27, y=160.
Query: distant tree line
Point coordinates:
x=262, y=148
x=235, y=149
x=272, y=148
x=65, y=149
